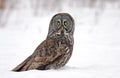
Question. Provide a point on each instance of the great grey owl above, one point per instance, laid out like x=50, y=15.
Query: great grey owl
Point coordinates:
x=56, y=50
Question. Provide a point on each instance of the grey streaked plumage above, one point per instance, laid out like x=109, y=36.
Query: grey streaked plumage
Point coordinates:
x=56, y=50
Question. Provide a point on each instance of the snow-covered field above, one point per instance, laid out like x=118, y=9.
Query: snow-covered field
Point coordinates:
x=96, y=50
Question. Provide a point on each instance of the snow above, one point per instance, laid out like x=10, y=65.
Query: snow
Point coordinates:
x=96, y=51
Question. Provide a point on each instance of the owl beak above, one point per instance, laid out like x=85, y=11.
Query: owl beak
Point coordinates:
x=62, y=27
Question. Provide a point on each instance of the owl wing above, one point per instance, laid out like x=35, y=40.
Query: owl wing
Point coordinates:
x=45, y=53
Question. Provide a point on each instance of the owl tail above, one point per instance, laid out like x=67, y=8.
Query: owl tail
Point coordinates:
x=24, y=65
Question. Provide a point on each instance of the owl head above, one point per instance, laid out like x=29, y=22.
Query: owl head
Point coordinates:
x=61, y=24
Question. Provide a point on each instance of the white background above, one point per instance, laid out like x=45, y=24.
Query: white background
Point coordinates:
x=96, y=51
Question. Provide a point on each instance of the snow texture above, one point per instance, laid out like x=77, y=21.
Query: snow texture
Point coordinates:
x=96, y=51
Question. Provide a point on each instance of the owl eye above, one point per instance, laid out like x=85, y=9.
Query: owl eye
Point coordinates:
x=58, y=23
x=65, y=23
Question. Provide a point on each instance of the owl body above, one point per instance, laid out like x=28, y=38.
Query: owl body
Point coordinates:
x=56, y=50
x=61, y=50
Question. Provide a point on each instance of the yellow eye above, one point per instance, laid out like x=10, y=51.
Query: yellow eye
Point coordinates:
x=65, y=23
x=58, y=23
